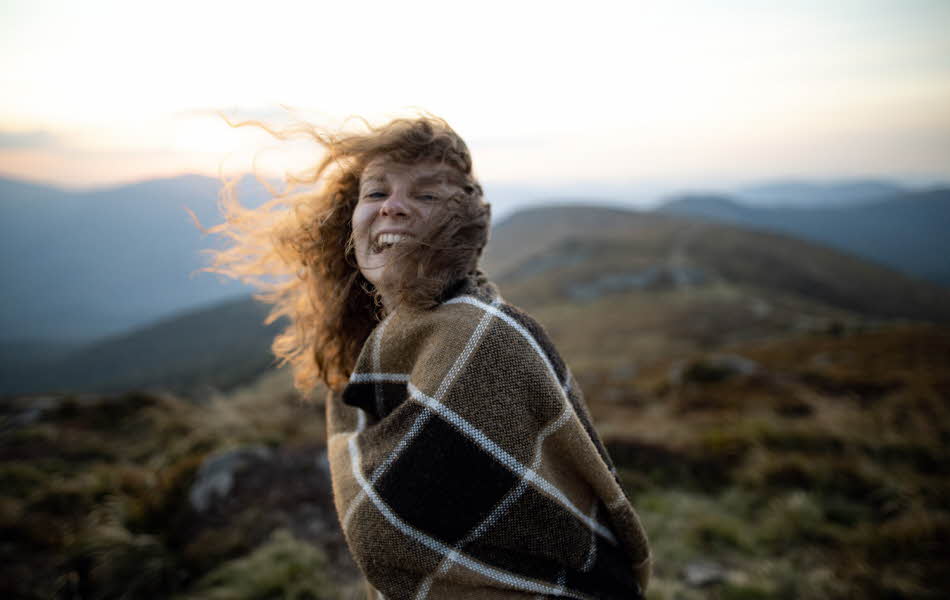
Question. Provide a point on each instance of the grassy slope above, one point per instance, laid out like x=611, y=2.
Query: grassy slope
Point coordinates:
x=817, y=470
x=217, y=347
x=94, y=497
x=536, y=255
x=820, y=474
x=904, y=231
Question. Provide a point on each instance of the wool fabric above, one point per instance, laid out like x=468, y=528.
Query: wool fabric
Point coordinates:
x=465, y=464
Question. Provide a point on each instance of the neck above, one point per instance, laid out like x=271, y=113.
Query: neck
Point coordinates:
x=386, y=301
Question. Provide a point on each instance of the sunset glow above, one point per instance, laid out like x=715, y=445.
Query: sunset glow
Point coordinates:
x=103, y=91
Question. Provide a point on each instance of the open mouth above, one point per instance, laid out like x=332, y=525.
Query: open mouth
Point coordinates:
x=384, y=241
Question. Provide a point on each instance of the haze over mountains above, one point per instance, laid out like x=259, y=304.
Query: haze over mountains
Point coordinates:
x=777, y=409
x=907, y=232
x=810, y=194
x=112, y=275
x=77, y=266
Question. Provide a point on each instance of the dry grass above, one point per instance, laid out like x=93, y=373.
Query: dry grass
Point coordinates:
x=817, y=472
x=820, y=474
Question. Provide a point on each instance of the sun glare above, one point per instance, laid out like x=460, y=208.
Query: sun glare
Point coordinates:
x=678, y=77
x=204, y=134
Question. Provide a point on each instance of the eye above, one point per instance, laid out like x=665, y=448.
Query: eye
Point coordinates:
x=427, y=197
x=375, y=195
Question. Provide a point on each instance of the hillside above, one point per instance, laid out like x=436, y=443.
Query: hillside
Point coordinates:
x=905, y=232
x=806, y=467
x=616, y=286
x=812, y=466
x=668, y=285
x=820, y=194
x=216, y=347
x=776, y=415
x=82, y=265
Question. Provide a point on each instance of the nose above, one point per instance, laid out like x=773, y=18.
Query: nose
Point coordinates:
x=395, y=205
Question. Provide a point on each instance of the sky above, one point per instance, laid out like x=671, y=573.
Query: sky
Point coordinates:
x=101, y=92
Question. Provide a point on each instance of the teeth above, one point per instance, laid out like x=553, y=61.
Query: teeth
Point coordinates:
x=388, y=239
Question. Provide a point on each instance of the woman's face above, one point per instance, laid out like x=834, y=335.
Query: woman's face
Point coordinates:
x=397, y=202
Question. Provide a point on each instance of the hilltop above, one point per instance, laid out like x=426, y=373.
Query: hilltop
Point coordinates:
x=607, y=281
x=903, y=230
x=776, y=411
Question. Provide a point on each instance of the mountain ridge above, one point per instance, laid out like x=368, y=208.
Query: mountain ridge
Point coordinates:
x=906, y=233
x=657, y=272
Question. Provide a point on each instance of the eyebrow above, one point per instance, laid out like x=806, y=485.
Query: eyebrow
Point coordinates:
x=445, y=175
x=372, y=179
x=432, y=179
x=440, y=176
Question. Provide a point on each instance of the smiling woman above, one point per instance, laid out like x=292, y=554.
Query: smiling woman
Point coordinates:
x=463, y=459
x=401, y=206
x=300, y=249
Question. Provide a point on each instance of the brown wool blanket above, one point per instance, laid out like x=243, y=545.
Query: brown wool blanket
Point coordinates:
x=465, y=465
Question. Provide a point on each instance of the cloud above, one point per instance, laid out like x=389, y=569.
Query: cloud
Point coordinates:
x=30, y=140
x=263, y=114
x=523, y=141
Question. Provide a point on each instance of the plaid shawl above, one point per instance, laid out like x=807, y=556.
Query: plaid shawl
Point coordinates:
x=465, y=465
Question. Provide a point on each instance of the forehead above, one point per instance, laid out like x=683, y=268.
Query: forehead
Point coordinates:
x=425, y=172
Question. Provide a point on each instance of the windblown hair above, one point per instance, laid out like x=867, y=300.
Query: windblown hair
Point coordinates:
x=298, y=247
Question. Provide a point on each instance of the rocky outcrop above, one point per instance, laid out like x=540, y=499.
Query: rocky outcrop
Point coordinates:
x=216, y=476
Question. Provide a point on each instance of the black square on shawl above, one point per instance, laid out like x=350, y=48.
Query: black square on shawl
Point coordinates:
x=534, y=537
x=611, y=575
x=443, y=483
x=363, y=395
x=517, y=561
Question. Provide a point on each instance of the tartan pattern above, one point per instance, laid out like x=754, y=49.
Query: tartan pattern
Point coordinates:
x=465, y=465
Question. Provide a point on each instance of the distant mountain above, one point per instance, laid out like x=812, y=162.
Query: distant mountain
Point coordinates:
x=619, y=289
x=908, y=232
x=218, y=347
x=28, y=191
x=545, y=251
x=812, y=194
x=77, y=266
x=607, y=283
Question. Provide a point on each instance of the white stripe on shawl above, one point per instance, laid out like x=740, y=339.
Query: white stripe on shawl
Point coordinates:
x=592, y=551
x=361, y=415
x=500, y=509
x=379, y=377
x=437, y=546
x=416, y=427
x=506, y=459
x=514, y=324
x=620, y=499
x=527, y=475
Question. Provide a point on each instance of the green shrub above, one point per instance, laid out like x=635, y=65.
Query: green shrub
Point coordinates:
x=731, y=591
x=19, y=479
x=795, y=519
x=283, y=567
x=720, y=532
x=121, y=564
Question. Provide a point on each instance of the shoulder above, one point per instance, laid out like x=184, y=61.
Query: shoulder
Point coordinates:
x=475, y=318
x=505, y=330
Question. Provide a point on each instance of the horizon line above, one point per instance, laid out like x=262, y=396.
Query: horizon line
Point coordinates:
x=690, y=183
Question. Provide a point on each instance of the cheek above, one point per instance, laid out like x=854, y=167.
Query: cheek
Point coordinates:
x=432, y=214
x=360, y=223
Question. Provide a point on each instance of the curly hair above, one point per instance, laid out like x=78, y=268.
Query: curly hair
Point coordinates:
x=297, y=248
